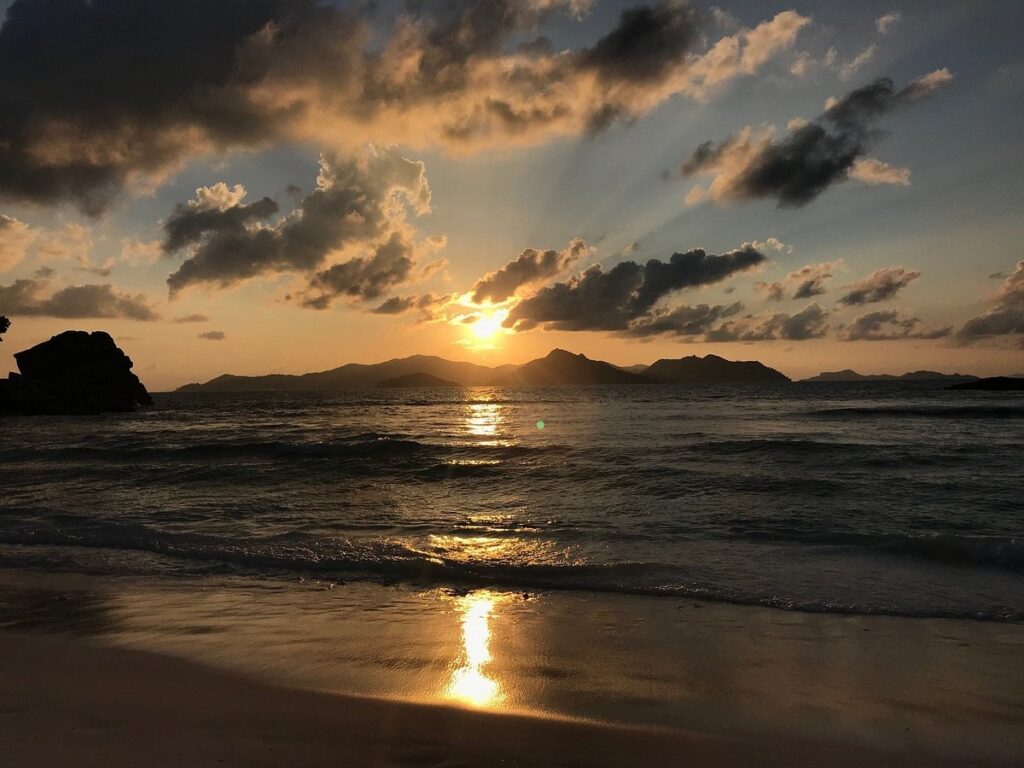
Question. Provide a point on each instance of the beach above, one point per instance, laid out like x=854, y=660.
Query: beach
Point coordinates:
x=95, y=671
x=793, y=576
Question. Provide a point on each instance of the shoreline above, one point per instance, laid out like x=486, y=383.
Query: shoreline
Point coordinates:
x=717, y=682
x=72, y=702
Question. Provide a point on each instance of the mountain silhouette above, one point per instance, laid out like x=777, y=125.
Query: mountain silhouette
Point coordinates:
x=712, y=369
x=355, y=376
x=417, y=380
x=993, y=384
x=849, y=375
x=561, y=367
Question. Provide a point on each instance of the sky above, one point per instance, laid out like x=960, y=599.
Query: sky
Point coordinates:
x=256, y=186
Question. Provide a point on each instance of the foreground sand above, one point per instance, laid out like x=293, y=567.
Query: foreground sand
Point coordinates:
x=69, y=703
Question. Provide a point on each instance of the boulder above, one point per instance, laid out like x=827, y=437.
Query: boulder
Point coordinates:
x=74, y=372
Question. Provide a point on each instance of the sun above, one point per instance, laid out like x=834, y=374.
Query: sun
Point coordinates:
x=489, y=324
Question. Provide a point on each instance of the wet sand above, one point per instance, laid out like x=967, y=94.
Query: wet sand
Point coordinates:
x=68, y=702
x=102, y=671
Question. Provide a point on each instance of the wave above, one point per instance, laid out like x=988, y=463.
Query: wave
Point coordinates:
x=365, y=446
x=794, y=446
x=999, y=552
x=389, y=561
x=923, y=411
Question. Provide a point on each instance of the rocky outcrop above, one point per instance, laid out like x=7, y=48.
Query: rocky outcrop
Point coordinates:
x=993, y=384
x=75, y=372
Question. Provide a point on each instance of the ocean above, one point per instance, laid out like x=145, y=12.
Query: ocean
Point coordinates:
x=897, y=499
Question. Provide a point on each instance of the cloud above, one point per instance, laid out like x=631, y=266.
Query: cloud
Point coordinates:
x=850, y=68
x=805, y=282
x=684, y=320
x=813, y=156
x=872, y=171
x=396, y=305
x=430, y=305
x=192, y=319
x=887, y=21
x=29, y=297
x=809, y=323
x=359, y=204
x=772, y=244
x=80, y=125
x=1004, y=317
x=612, y=300
x=889, y=324
x=15, y=239
x=368, y=277
x=529, y=267
x=212, y=336
x=138, y=252
x=197, y=220
x=880, y=285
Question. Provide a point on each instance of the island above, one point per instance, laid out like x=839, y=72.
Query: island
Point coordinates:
x=993, y=384
x=713, y=369
x=850, y=375
x=558, y=368
x=418, y=381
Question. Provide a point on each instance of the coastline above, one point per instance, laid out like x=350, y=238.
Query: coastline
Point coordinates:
x=103, y=671
x=68, y=702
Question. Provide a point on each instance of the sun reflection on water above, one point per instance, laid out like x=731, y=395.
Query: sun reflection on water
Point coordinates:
x=484, y=419
x=469, y=683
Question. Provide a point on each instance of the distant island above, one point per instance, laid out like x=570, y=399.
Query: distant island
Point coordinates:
x=418, y=381
x=848, y=375
x=558, y=368
x=561, y=368
x=713, y=369
x=993, y=384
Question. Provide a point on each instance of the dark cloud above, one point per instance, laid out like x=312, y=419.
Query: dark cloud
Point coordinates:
x=1003, y=318
x=395, y=305
x=810, y=323
x=889, y=324
x=191, y=223
x=99, y=94
x=684, y=321
x=428, y=304
x=29, y=297
x=648, y=41
x=610, y=301
x=355, y=204
x=531, y=266
x=94, y=91
x=880, y=285
x=806, y=282
x=813, y=156
x=192, y=319
x=212, y=336
x=364, y=278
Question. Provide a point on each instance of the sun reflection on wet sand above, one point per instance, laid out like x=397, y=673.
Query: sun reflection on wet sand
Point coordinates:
x=469, y=684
